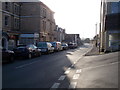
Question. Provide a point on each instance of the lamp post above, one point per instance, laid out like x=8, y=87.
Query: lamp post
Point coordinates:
x=96, y=35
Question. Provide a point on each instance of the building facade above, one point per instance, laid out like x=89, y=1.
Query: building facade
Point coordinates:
x=109, y=26
x=59, y=34
x=10, y=24
x=29, y=22
x=73, y=38
x=37, y=22
x=47, y=23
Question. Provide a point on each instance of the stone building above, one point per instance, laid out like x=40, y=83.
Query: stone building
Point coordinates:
x=73, y=38
x=29, y=22
x=47, y=23
x=37, y=22
x=109, y=26
x=10, y=24
x=59, y=34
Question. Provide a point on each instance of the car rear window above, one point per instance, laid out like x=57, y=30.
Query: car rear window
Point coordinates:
x=21, y=48
x=41, y=45
x=53, y=44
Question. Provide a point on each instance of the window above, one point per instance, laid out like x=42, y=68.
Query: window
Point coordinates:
x=44, y=12
x=16, y=23
x=16, y=8
x=6, y=20
x=115, y=7
x=6, y=6
x=44, y=25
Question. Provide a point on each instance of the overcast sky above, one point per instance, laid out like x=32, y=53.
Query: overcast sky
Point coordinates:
x=76, y=16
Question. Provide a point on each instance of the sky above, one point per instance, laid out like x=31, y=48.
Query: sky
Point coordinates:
x=76, y=16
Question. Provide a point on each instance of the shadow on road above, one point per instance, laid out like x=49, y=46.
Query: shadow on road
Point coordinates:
x=40, y=72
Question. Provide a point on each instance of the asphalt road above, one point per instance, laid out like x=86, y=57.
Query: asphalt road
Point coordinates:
x=65, y=69
x=43, y=71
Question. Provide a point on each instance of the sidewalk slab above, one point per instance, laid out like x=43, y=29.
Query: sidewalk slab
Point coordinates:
x=99, y=71
x=93, y=51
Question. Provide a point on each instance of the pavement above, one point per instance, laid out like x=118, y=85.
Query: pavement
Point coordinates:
x=98, y=71
x=93, y=51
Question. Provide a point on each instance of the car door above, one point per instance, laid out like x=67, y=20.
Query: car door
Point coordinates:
x=5, y=55
x=33, y=50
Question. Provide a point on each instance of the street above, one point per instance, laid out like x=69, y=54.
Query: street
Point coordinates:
x=64, y=69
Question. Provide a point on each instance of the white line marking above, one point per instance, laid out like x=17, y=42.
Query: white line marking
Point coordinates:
x=24, y=65
x=73, y=85
x=62, y=77
x=72, y=65
x=76, y=76
x=66, y=72
x=78, y=71
x=69, y=68
x=74, y=62
x=55, y=85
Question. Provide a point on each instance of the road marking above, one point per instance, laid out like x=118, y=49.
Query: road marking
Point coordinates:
x=74, y=62
x=69, y=68
x=73, y=85
x=62, y=77
x=66, y=72
x=72, y=65
x=24, y=65
x=55, y=85
x=78, y=71
x=76, y=76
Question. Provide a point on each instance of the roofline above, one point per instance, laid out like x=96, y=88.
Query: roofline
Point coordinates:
x=46, y=6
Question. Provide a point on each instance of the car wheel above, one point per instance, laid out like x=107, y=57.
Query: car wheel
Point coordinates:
x=29, y=55
x=12, y=59
x=39, y=54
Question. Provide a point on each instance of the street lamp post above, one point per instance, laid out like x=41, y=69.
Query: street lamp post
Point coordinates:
x=96, y=34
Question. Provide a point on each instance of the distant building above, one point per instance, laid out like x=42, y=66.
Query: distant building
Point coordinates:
x=73, y=38
x=109, y=26
x=59, y=34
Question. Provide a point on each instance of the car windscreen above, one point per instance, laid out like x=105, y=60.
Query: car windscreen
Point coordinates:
x=21, y=48
x=63, y=44
x=53, y=44
x=41, y=45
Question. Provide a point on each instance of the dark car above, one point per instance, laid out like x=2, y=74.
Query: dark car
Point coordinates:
x=27, y=51
x=46, y=47
x=72, y=45
x=64, y=46
x=7, y=55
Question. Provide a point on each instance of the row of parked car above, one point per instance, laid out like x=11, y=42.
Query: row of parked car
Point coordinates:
x=30, y=51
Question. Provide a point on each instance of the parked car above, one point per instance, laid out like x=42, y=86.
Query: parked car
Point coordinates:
x=72, y=45
x=57, y=46
x=64, y=46
x=75, y=45
x=46, y=47
x=27, y=51
x=7, y=55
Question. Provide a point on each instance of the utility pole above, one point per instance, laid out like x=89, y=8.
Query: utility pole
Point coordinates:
x=96, y=29
x=99, y=36
x=96, y=34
